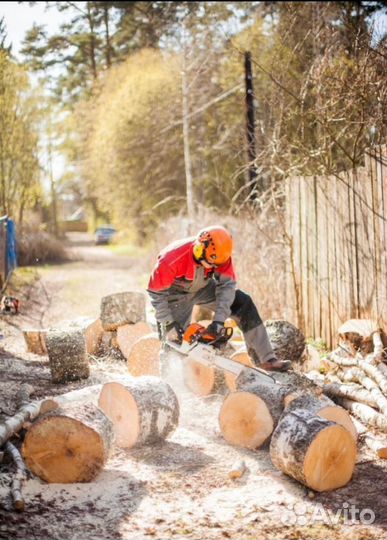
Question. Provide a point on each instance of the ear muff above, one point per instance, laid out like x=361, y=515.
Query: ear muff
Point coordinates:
x=198, y=250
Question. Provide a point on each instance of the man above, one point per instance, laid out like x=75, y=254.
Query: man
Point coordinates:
x=199, y=271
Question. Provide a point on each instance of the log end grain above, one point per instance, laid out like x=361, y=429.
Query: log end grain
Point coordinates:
x=203, y=380
x=68, y=446
x=144, y=357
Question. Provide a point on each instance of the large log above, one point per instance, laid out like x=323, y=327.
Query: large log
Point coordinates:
x=122, y=308
x=324, y=407
x=66, y=446
x=67, y=355
x=143, y=410
x=249, y=415
x=144, y=357
x=128, y=334
x=315, y=451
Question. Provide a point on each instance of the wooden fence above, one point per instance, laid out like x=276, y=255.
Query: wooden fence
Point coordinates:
x=337, y=228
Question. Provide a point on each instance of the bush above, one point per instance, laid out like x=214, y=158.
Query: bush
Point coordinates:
x=39, y=247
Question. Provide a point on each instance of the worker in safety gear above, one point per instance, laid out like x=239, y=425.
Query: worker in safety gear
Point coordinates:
x=199, y=271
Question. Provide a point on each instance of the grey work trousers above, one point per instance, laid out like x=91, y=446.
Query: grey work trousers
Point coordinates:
x=243, y=311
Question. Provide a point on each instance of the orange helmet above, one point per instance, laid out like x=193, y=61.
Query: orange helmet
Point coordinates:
x=214, y=245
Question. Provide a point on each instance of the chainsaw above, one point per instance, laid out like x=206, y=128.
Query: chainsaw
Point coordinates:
x=203, y=348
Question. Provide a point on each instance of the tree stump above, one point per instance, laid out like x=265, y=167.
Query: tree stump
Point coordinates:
x=249, y=415
x=143, y=410
x=128, y=334
x=67, y=446
x=35, y=341
x=144, y=356
x=67, y=355
x=288, y=342
x=315, y=451
x=122, y=308
x=324, y=407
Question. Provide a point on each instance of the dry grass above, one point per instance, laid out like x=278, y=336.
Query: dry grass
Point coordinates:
x=39, y=247
x=259, y=253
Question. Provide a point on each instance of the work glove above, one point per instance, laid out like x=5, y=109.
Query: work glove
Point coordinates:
x=171, y=331
x=213, y=330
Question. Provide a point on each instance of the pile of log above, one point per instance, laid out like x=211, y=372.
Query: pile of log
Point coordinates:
x=355, y=376
x=311, y=438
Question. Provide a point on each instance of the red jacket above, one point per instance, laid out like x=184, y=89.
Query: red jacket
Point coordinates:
x=177, y=273
x=177, y=261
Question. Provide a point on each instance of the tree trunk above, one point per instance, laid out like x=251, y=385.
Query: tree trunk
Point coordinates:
x=93, y=337
x=67, y=355
x=317, y=452
x=143, y=410
x=68, y=446
x=144, y=357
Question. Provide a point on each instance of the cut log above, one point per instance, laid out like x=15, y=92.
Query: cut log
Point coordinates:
x=315, y=451
x=143, y=410
x=67, y=355
x=19, y=477
x=366, y=414
x=237, y=470
x=144, y=357
x=23, y=395
x=296, y=383
x=35, y=341
x=67, y=446
x=203, y=380
x=93, y=337
x=122, y=308
x=243, y=358
x=249, y=415
x=351, y=391
x=128, y=334
x=324, y=407
x=288, y=342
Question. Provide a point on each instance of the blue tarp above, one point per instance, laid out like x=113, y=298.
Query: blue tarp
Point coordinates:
x=11, y=246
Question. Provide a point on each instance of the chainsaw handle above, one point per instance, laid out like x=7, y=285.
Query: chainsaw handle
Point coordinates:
x=224, y=335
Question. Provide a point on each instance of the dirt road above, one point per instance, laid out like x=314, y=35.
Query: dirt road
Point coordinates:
x=179, y=489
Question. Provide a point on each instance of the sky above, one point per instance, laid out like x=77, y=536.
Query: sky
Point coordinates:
x=20, y=17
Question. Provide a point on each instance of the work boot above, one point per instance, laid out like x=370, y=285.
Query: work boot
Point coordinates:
x=276, y=365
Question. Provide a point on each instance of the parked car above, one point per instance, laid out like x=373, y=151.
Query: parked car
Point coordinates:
x=104, y=234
